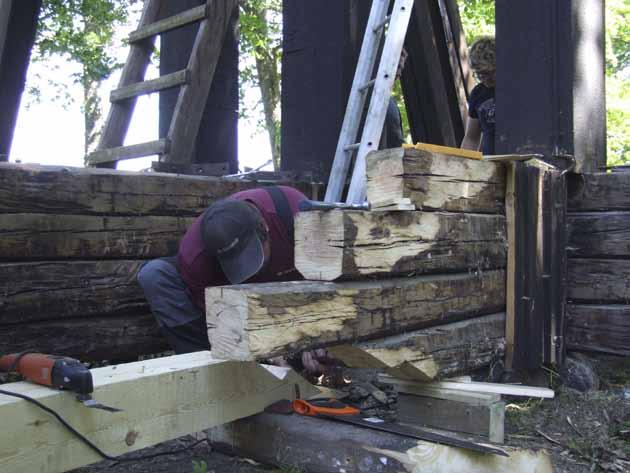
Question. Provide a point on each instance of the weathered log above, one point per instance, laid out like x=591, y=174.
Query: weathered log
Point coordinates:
x=599, y=191
x=424, y=355
x=48, y=236
x=600, y=328
x=114, y=338
x=254, y=321
x=599, y=234
x=435, y=181
x=338, y=244
x=31, y=188
x=322, y=446
x=598, y=281
x=32, y=292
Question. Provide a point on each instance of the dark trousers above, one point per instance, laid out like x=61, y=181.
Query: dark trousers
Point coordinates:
x=182, y=322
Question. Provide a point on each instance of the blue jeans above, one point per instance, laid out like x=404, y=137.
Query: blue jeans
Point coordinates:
x=181, y=321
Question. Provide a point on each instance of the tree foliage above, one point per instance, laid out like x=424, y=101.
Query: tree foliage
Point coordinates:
x=82, y=32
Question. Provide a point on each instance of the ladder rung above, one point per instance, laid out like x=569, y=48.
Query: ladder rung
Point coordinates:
x=149, y=86
x=382, y=24
x=367, y=85
x=128, y=152
x=352, y=147
x=170, y=23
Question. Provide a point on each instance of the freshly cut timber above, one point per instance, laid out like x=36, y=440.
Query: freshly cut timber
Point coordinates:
x=254, y=321
x=423, y=355
x=48, y=236
x=337, y=244
x=161, y=399
x=435, y=181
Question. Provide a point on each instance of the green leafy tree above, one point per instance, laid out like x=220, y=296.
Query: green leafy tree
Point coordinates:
x=261, y=47
x=82, y=32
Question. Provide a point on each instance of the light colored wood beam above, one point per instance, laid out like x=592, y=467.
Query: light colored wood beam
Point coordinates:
x=335, y=244
x=254, y=321
x=162, y=399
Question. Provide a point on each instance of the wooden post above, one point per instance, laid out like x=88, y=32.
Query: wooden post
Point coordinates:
x=550, y=79
x=217, y=140
x=18, y=25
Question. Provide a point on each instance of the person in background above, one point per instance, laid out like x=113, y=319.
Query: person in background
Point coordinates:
x=479, y=134
x=392, y=136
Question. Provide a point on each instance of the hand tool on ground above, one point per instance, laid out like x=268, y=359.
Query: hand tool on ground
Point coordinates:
x=308, y=205
x=337, y=411
x=57, y=372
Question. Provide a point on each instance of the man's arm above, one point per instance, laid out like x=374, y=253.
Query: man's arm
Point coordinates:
x=472, y=137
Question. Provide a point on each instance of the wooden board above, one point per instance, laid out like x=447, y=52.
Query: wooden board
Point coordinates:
x=117, y=338
x=487, y=419
x=599, y=235
x=50, y=290
x=48, y=236
x=31, y=188
x=443, y=351
x=599, y=191
x=338, y=244
x=162, y=399
x=600, y=328
x=319, y=446
x=255, y=321
x=598, y=280
x=435, y=181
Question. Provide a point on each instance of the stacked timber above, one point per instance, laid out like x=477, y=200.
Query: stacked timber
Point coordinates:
x=72, y=242
x=417, y=292
x=599, y=263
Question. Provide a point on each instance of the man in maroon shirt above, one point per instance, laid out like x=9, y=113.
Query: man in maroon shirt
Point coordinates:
x=247, y=237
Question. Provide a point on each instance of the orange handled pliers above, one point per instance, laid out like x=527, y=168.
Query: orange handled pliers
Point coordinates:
x=327, y=407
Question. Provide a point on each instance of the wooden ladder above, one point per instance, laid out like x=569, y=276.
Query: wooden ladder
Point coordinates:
x=195, y=81
x=394, y=28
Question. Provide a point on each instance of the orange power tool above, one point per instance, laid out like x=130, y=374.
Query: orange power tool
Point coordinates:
x=56, y=372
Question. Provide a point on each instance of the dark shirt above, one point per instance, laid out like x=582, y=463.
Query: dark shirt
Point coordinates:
x=392, y=136
x=481, y=106
x=200, y=270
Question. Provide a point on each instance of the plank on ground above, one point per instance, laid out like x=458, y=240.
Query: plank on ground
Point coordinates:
x=162, y=399
x=337, y=244
x=435, y=181
x=49, y=290
x=443, y=351
x=598, y=191
x=599, y=328
x=254, y=321
x=117, y=338
x=31, y=188
x=48, y=236
x=598, y=280
x=324, y=447
x=599, y=234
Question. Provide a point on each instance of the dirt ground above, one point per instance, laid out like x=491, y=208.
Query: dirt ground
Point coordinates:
x=584, y=432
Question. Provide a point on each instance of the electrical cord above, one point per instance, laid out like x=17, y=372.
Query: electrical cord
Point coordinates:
x=88, y=442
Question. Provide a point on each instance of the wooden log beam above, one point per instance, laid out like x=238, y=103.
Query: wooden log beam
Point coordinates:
x=427, y=354
x=254, y=321
x=599, y=235
x=599, y=191
x=332, y=245
x=323, y=447
x=48, y=236
x=599, y=328
x=116, y=338
x=49, y=290
x=598, y=281
x=162, y=399
x=31, y=188
x=435, y=181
